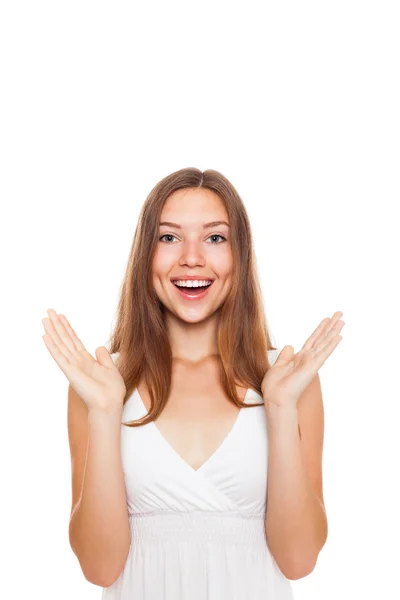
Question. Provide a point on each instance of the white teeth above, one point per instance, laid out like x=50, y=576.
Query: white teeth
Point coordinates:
x=194, y=283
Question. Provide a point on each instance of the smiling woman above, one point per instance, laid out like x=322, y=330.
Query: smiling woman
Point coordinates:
x=170, y=481
x=188, y=385
x=194, y=224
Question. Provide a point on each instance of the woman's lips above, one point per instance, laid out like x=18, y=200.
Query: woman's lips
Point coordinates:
x=185, y=292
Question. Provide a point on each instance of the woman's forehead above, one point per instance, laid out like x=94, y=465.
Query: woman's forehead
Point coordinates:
x=193, y=207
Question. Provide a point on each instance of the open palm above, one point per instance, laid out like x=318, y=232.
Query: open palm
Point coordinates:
x=98, y=382
x=291, y=373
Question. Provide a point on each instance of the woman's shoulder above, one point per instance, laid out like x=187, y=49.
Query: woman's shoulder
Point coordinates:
x=273, y=355
x=114, y=356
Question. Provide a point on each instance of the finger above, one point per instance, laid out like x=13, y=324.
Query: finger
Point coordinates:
x=335, y=324
x=61, y=331
x=56, y=353
x=316, y=333
x=319, y=333
x=332, y=328
x=322, y=353
x=57, y=333
x=321, y=343
x=76, y=341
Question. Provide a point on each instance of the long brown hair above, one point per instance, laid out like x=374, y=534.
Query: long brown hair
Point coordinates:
x=140, y=335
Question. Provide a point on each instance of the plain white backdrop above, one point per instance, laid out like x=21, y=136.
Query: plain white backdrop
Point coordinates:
x=297, y=103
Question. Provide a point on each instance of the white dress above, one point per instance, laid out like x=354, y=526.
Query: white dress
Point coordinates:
x=198, y=534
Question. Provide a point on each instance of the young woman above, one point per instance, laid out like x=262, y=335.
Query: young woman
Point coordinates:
x=196, y=450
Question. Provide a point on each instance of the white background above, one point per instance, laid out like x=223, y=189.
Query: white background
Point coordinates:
x=297, y=103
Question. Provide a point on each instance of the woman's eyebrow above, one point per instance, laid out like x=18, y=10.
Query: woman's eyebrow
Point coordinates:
x=205, y=226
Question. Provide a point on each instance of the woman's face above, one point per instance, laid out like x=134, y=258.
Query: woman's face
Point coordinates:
x=186, y=247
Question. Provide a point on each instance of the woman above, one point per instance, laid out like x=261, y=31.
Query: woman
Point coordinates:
x=173, y=431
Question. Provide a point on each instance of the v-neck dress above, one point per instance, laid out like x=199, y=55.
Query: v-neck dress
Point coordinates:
x=198, y=534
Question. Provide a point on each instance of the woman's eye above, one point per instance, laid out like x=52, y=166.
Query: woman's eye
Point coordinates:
x=166, y=235
x=169, y=235
x=218, y=235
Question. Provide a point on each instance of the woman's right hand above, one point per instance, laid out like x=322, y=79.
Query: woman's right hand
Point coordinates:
x=98, y=382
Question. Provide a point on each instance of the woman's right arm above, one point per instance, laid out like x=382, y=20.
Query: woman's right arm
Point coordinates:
x=99, y=531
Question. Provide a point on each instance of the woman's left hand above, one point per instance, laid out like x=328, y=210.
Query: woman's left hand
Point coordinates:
x=291, y=373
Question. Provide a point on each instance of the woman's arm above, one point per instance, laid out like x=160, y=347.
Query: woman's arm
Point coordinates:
x=296, y=523
x=99, y=530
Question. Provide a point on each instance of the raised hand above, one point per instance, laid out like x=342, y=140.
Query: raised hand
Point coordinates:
x=291, y=373
x=98, y=382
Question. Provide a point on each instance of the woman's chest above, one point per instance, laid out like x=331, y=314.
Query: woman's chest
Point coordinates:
x=226, y=475
x=197, y=418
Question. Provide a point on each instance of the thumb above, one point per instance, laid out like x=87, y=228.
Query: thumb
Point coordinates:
x=285, y=355
x=104, y=357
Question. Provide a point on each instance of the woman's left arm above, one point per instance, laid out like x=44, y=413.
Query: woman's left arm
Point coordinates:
x=296, y=523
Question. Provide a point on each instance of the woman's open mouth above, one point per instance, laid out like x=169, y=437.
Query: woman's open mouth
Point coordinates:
x=192, y=293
